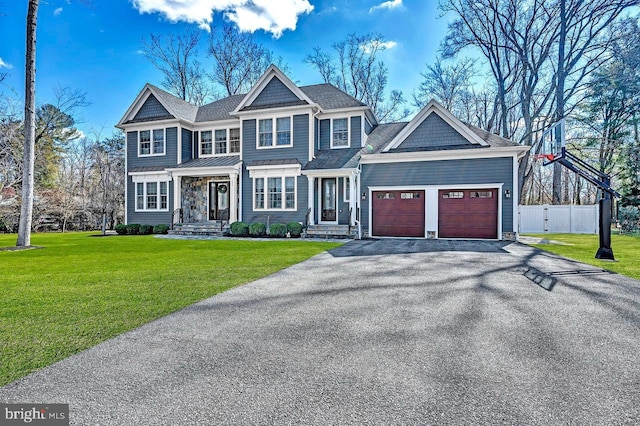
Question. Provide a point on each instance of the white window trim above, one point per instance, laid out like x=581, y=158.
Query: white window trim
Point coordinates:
x=164, y=141
x=213, y=142
x=348, y=145
x=274, y=132
x=144, y=183
x=265, y=177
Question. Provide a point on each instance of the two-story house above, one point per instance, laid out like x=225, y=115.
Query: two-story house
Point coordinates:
x=285, y=153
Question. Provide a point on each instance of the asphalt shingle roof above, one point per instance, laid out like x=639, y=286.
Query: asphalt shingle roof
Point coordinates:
x=147, y=169
x=220, y=109
x=330, y=97
x=335, y=159
x=182, y=109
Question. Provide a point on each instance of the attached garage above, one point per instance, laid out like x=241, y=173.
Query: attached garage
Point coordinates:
x=398, y=213
x=468, y=213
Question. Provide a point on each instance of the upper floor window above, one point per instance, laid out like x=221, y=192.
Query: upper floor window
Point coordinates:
x=281, y=133
x=206, y=143
x=151, y=142
x=340, y=133
x=234, y=141
x=220, y=141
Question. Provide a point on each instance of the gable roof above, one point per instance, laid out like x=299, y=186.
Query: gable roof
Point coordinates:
x=327, y=96
x=433, y=107
x=175, y=106
x=271, y=73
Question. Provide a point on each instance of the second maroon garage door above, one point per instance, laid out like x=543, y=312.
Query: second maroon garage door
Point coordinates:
x=465, y=213
x=397, y=213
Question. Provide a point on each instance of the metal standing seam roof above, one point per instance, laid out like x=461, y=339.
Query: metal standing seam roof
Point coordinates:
x=274, y=162
x=223, y=161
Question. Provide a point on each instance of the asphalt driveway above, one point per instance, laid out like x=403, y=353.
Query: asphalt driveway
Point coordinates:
x=375, y=332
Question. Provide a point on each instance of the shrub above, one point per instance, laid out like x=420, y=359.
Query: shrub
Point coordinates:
x=239, y=229
x=161, y=229
x=278, y=230
x=145, y=229
x=257, y=229
x=295, y=229
x=121, y=229
x=133, y=229
x=629, y=217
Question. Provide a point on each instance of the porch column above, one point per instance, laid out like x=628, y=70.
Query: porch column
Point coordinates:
x=233, y=198
x=353, y=201
x=311, y=195
x=177, y=196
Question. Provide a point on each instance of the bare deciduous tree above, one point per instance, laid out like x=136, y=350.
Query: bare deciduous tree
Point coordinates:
x=176, y=57
x=239, y=60
x=448, y=84
x=358, y=72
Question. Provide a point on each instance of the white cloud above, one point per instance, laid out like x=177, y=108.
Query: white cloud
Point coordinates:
x=3, y=64
x=391, y=4
x=57, y=12
x=369, y=47
x=249, y=15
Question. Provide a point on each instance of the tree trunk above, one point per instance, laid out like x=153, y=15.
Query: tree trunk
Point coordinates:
x=557, y=167
x=26, y=211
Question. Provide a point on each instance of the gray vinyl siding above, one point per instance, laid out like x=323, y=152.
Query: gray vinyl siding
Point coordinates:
x=433, y=131
x=169, y=158
x=343, y=207
x=299, y=151
x=187, y=145
x=449, y=172
x=356, y=132
x=152, y=108
x=250, y=216
x=146, y=218
x=325, y=134
x=274, y=93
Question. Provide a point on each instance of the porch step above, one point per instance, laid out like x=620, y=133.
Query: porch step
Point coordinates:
x=212, y=228
x=331, y=231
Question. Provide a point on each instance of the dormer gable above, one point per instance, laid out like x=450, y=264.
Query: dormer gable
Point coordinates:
x=273, y=90
x=152, y=109
x=435, y=127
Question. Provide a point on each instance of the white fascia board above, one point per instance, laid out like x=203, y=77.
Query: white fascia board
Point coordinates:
x=270, y=112
x=276, y=166
x=218, y=124
x=409, y=157
x=331, y=172
x=135, y=105
x=332, y=113
x=434, y=107
x=204, y=171
x=155, y=124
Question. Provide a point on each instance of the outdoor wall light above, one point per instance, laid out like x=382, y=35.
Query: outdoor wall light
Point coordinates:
x=364, y=195
x=507, y=193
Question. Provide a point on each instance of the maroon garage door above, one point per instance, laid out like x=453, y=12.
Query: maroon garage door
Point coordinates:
x=468, y=213
x=397, y=213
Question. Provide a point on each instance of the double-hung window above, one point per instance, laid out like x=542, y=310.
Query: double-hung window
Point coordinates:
x=151, y=142
x=221, y=141
x=275, y=193
x=270, y=136
x=340, y=133
x=206, y=143
x=265, y=133
x=152, y=196
x=234, y=141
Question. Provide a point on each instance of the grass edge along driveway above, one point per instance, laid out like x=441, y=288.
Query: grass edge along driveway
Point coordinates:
x=80, y=290
x=583, y=248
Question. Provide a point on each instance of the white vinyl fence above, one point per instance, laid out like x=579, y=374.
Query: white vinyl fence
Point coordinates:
x=558, y=219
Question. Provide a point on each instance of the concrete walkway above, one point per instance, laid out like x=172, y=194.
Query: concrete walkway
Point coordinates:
x=375, y=332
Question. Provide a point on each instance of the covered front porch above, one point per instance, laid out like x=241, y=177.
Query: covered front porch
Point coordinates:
x=206, y=195
x=333, y=198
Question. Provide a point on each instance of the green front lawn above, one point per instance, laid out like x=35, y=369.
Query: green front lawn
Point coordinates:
x=583, y=248
x=80, y=290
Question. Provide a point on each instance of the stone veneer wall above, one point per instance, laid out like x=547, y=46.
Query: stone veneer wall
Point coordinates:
x=194, y=197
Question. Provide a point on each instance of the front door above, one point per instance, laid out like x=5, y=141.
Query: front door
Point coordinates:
x=219, y=200
x=328, y=200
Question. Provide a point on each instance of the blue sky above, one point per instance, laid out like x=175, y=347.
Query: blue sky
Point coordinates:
x=96, y=47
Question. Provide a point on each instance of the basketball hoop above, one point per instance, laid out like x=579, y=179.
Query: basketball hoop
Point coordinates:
x=548, y=157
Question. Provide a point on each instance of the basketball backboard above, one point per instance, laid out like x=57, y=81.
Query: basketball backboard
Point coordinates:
x=552, y=143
